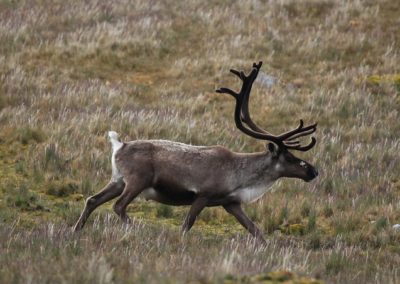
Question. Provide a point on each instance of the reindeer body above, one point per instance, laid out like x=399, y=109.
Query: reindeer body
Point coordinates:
x=177, y=173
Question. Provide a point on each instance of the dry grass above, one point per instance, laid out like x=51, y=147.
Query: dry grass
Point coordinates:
x=71, y=71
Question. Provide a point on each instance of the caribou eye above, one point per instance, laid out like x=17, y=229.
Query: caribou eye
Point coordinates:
x=303, y=164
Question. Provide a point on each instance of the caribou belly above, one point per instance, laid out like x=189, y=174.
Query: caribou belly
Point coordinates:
x=149, y=193
x=165, y=196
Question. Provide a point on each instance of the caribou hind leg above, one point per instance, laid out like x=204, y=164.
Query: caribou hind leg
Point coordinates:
x=110, y=191
x=236, y=210
x=134, y=186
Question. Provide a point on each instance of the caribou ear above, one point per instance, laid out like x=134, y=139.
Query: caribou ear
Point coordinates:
x=273, y=149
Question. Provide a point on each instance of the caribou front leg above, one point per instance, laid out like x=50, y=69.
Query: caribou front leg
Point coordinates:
x=236, y=210
x=194, y=211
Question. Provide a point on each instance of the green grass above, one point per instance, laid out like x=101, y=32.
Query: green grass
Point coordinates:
x=69, y=72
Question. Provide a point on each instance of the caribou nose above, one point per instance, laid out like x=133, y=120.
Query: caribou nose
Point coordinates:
x=312, y=173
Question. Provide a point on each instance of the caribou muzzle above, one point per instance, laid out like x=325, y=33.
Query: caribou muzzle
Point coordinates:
x=311, y=174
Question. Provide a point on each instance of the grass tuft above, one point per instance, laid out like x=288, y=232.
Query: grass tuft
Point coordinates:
x=26, y=135
x=164, y=211
x=336, y=263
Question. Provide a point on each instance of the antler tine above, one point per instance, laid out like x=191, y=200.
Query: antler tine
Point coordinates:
x=304, y=132
x=303, y=148
x=298, y=132
x=249, y=80
x=292, y=143
x=239, y=74
x=258, y=66
x=227, y=91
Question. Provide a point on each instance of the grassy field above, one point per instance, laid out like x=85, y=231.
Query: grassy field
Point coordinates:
x=72, y=70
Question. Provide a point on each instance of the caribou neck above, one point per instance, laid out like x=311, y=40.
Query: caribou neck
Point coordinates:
x=257, y=168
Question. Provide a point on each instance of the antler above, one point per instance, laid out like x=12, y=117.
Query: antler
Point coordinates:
x=242, y=115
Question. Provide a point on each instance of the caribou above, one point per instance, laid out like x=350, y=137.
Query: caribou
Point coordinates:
x=177, y=174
